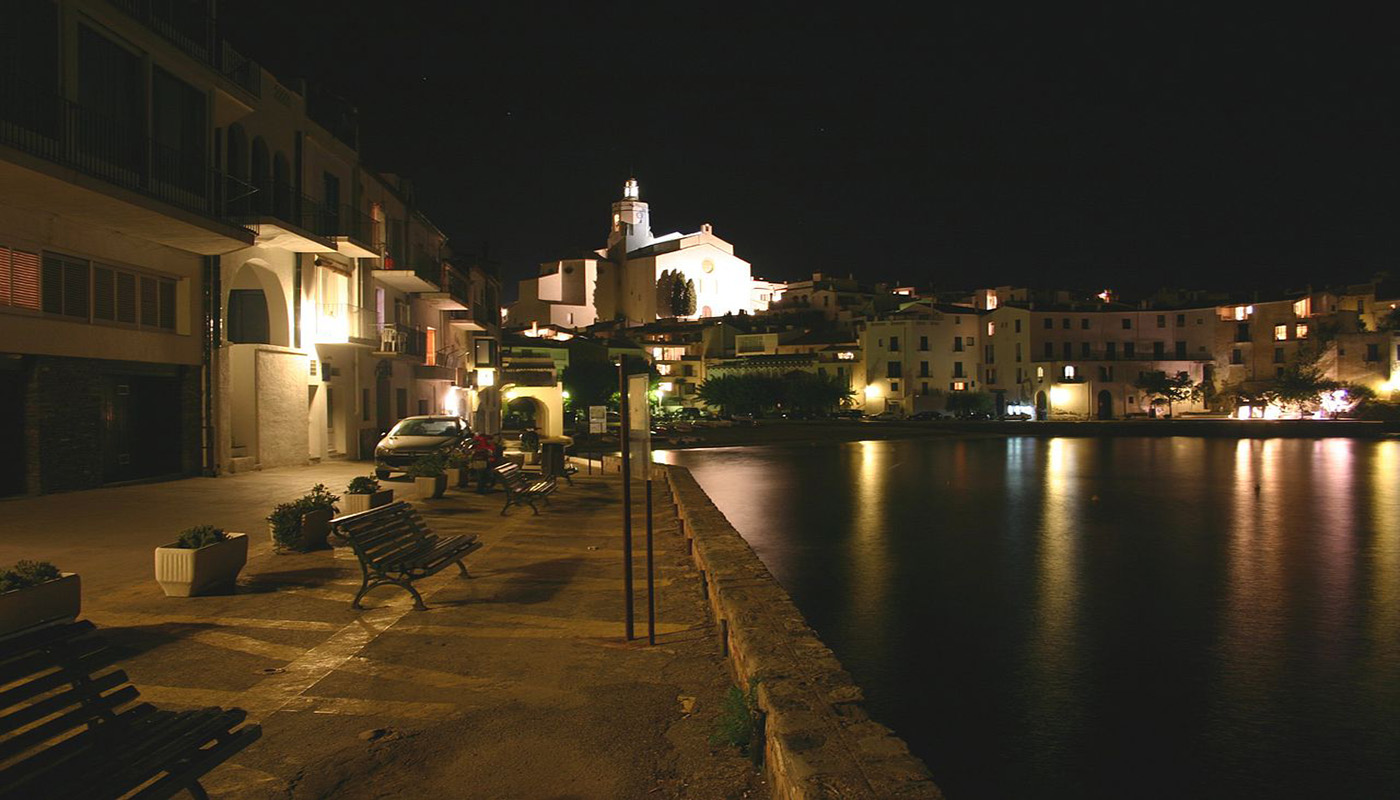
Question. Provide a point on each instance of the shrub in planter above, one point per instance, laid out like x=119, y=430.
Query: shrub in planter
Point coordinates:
x=303, y=523
x=458, y=468
x=429, y=475
x=204, y=559
x=364, y=493
x=34, y=593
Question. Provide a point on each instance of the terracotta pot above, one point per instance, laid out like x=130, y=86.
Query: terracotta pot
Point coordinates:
x=355, y=503
x=52, y=601
x=431, y=487
x=182, y=572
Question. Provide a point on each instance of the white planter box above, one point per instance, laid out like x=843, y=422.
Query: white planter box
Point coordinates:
x=457, y=477
x=430, y=487
x=182, y=572
x=52, y=601
x=355, y=503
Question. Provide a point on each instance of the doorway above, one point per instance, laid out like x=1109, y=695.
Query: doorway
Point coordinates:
x=1105, y=404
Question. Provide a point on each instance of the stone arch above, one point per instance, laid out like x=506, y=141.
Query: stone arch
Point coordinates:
x=525, y=411
x=254, y=276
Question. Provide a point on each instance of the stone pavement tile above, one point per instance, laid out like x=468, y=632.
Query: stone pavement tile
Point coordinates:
x=515, y=683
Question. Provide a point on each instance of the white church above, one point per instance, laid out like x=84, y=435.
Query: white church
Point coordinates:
x=620, y=284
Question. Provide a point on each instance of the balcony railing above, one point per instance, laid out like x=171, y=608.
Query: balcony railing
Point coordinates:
x=63, y=132
x=192, y=30
x=403, y=340
x=340, y=322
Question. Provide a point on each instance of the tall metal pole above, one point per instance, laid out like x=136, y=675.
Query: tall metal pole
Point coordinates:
x=651, y=569
x=625, y=434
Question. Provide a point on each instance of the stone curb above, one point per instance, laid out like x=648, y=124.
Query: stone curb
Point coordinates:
x=820, y=743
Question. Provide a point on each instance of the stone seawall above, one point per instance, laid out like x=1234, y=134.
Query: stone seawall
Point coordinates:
x=819, y=742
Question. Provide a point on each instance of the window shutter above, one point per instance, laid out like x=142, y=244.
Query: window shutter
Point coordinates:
x=104, y=297
x=53, y=285
x=24, y=280
x=167, y=305
x=4, y=276
x=77, y=289
x=149, y=310
x=126, y=297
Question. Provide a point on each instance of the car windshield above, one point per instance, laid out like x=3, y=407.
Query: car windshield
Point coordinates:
x=426, y=427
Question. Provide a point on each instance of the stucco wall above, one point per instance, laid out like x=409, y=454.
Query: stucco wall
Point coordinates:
x=282, y=411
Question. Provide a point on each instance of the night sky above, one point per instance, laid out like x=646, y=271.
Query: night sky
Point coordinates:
x=1134, y=148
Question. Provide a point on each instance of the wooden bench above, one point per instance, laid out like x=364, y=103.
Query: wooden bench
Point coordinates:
x=519, y=490
x=69, y=727
x=395, y=546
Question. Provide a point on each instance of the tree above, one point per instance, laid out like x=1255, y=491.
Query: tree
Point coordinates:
x=813, y=393
x=1391, y=320
x=666, y=293
x=684, y=303
x=1173, y=389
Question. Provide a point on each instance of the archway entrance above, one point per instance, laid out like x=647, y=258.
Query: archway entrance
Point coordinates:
x=1042, y=410
x=522, y=413
x=1105, y=404
x=257, y=310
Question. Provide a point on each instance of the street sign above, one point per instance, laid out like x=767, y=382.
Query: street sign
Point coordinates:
x=597, y=419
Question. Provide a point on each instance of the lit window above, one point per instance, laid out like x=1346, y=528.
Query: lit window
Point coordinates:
x=1040, y=373
x=1280, y=332
x=1303, y=308
x=663, y=369
x=1069, y=372
x=991, y=302
x=846, y=356
x=959, y=386
x=991, y=329
x=1300, y=331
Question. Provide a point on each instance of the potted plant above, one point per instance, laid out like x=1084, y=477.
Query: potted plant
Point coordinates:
x=204, y=559
x=364, y=493
x=304, y=523
x=459, y=468
x=429, y=475
x=34, y=593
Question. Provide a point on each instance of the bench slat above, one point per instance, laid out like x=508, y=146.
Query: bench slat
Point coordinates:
x=64, y=723
x=87, y=692
x=66, y=757
x=85, y=665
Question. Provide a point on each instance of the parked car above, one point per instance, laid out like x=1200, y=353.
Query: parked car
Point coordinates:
x=885, y=416
x=848, y=413
x=415, y=437
x=924, y=416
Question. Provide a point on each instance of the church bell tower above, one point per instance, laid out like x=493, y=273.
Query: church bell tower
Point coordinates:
x=631, y=222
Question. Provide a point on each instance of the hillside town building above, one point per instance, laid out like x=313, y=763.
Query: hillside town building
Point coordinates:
x=619, y=282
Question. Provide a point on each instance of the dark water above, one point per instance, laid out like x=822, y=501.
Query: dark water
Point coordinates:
x=1100, y=618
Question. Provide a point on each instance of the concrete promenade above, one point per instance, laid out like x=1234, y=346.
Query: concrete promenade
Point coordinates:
x=515, y=683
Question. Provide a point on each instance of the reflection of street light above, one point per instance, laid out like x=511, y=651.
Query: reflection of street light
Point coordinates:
x=564, y=394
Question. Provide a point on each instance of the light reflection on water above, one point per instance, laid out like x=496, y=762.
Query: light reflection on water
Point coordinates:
x=1100, y=618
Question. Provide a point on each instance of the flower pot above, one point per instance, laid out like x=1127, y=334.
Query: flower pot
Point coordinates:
x=456, y=477
x=355, y=503
x=431, y=487
x=185, y=572
x=315, y=527
x=52, y=601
